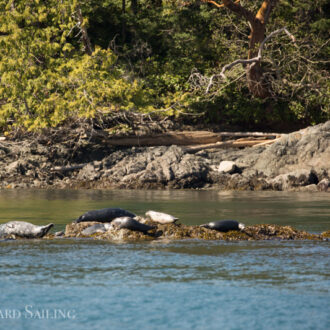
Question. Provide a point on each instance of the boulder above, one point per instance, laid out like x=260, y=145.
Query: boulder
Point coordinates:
x=227, y=166
x=323, y=185
x=298, y=178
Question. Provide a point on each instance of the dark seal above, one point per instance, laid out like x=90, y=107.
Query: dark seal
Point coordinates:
x=104, y=215
x=224, y=225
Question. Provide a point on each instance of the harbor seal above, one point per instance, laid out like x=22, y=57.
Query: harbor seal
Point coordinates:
x=224, y=225
x=104, y=215
x=24, y=229
x=130, y=223
x=97, y=228
x=160, y=217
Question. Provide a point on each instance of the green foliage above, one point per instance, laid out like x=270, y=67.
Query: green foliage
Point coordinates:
x=46, y=79
x=142, y=60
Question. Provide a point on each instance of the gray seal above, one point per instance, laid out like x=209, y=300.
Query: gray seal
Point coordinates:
x=129, y=223
x=162, y=218
x=104, y=215
x=24, y=229
x=224, y=225
x=97, y=228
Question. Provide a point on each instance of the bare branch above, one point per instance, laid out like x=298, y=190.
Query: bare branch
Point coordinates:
x=251, y=61
x=217, y=4
x=234, y=7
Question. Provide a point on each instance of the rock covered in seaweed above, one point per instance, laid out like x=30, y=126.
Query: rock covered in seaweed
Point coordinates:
x=266, y=231
x=326, y=234
x=181, y=231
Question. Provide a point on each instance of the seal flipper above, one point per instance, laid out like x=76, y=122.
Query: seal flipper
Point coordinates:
x=46, y=229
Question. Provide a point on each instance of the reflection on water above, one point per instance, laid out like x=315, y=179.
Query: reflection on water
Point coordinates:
x=283, y=264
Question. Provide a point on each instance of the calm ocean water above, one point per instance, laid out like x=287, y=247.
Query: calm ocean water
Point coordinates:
x=85, y=284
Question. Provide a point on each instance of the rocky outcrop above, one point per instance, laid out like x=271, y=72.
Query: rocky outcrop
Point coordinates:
x=296, y=161
x=180, y=231
x=308, y=149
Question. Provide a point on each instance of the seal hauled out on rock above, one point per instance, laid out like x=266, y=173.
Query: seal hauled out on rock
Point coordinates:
x=224, y=225
x=97, y=228
x=24, y=229
x=160, y=217
x=104, y=215
x=129, y=223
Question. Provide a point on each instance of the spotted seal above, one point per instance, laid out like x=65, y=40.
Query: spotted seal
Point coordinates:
x=130, y=223
x=97, y=228
x=160, y=217
x=224, y=225
x=24, y=229
x=104, y=215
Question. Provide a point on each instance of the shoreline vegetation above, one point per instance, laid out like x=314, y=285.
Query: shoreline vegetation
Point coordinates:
x=256, y=65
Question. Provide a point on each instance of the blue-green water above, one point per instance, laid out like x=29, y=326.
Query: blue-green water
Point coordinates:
x=85, y=284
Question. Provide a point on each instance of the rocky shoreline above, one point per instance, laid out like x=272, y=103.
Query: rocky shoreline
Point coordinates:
x=297, y=161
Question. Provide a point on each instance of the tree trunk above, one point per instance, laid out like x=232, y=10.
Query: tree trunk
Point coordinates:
x=123, y=22
x=84, y=34
x=134, y=6
x=254, y=73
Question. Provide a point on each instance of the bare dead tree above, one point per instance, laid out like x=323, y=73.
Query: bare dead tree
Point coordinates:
x=252, y=61
x=83, y=30
x=257, y=22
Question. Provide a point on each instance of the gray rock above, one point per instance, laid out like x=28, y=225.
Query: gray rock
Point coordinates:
x=159, y=166
x=227, y=166
x=308, y=149
x=88, y=172
x=13, y=167
x=309, y=188
x=298, y=178
x=323, y=185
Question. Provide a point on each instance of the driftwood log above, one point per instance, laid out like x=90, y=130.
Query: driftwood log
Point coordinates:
x=189, y=138
x=240, y=143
